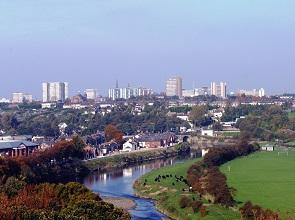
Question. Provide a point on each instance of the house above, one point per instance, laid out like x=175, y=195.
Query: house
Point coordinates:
x=267, y=148
x=17, y=137
x=204, y=152
x=43, y=142
x=108, y=147
x=207, y=132
x=130, y=145
x=157, y=140
x=16, y=148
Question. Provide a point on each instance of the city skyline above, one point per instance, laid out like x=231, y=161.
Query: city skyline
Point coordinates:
x=189, y=92
x=245, y=44
x=93, y=91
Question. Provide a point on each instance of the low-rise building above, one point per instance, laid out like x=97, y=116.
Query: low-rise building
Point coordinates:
x=267, y=147
x=48, y=105
x=157, y=140
x=130, y=145
x=207, y=132
x=108, y=147
x=17, y=148
x=204, y=152
x=16, y=137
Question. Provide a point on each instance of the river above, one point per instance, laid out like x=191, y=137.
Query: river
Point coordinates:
x=119, y=184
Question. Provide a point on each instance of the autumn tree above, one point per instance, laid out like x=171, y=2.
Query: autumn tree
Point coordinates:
x=113, y=133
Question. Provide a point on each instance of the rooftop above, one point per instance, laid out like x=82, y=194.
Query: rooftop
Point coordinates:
x=9, y=144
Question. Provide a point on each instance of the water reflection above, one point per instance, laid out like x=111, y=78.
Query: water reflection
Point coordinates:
x=119, y=183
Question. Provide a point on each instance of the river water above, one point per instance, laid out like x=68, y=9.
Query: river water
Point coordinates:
x=119, y=184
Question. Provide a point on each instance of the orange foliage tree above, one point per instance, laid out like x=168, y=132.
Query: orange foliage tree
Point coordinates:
x=113, y=133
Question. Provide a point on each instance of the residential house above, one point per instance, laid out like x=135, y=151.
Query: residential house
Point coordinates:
x=130, y=145
x=157, y=140
x=108, y=147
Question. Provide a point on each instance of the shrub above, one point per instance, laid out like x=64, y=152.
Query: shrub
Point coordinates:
x=203, y=211
x=196, y=206
x=252, y=212
x=184, y=202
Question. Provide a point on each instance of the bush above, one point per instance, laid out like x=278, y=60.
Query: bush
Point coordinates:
x=203, y=211
x=252, y=212
x=184, y=202
x=196, y=206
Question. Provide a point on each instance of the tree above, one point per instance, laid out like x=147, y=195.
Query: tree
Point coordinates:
x=198, y=114
x=217, y=126
x=113, y=133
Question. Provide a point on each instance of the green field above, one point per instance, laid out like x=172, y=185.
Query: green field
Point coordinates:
x=292, y=143
x=291, y=115
x=167, y=195
x=265, y=179
x=230, y=134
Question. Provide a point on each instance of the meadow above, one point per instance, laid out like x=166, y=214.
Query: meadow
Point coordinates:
x=291, y=115
x=264, y=178
x=168, y=192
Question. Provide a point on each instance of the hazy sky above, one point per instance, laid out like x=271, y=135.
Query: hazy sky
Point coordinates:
x=91, y=43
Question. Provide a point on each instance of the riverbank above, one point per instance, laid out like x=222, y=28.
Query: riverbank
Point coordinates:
x=122, y=203
x=119, y=183
x=168, y=191
x=136, y=157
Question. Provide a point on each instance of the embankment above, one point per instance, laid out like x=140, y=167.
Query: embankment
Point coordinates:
x=137, y=157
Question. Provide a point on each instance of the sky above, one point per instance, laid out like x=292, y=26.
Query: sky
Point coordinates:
x=91, y=44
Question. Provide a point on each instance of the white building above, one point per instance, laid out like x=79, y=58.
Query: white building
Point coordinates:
x=188, y=92
x=207, y=132
x=261, y=92
x=4, y=100
x=90, y=94
x=267, y=148
x=174, y=87
x=219, y=89
x=202, y=91
x=19, y=97
x=204, y=152
x=55, y=91
x=48, y=105
x=130, y=146
x=254, y=92
x=128, y=92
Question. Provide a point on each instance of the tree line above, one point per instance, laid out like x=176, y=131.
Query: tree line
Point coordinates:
x=272, y=123
x=45, y=122
x=205, y=177
x=31, y=187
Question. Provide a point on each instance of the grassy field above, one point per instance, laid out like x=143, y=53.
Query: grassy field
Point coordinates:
x=167, y=193
x=291, y=115
x=264, y=178
x=292, y=143
x=230, y=134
